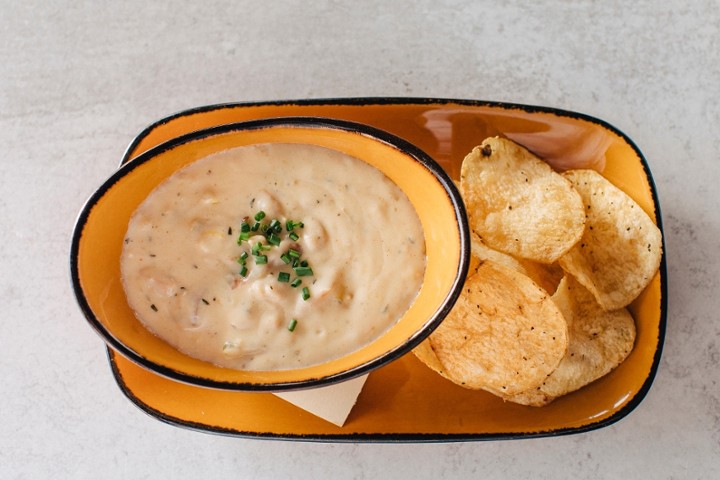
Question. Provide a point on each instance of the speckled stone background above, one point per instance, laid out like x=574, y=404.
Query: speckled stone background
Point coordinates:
x=79, y=79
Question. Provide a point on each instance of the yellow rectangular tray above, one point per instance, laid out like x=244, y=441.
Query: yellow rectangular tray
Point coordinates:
x=405, y=401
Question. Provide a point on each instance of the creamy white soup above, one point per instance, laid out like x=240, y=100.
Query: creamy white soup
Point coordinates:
x=273, y=256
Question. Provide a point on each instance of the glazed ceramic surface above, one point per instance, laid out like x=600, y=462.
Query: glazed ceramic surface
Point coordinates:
x=405, y=401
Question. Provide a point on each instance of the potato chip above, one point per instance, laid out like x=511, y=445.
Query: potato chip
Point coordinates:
x=481, y=252
x=599, y=341
x=504, y=335
x=518, y=204
x=620, y=250
x=546, y=276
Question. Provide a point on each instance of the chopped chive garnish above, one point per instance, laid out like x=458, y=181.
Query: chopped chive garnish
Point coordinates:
x=291, y=225
x=292, y=325
x=272, y=230
x=259, y=247
x=273, y=239
x=303, y=271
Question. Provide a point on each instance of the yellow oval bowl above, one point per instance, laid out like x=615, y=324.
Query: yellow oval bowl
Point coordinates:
x=101, y=226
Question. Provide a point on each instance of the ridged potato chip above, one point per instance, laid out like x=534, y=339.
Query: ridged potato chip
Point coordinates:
x=518, y=204
x=504, y=335
x=620, y=249
x=599, y=341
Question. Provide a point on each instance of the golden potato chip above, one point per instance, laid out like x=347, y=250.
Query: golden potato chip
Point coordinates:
x=620, y=250
x=504, y=335
x=599, y=341
x=518, y=204
x=547, y=276
x=481, y=252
